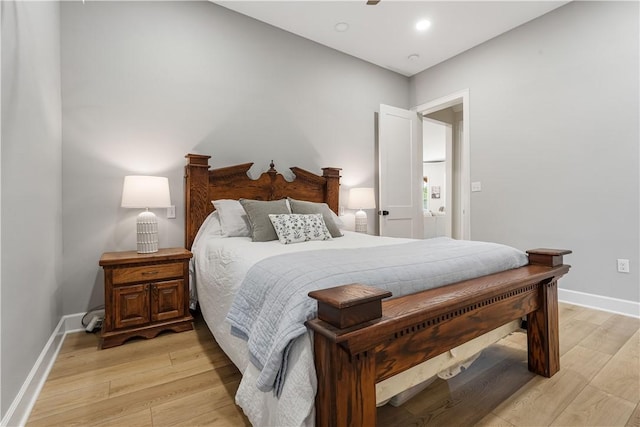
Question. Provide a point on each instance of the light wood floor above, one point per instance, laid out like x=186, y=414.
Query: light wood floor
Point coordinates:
x=185, y=380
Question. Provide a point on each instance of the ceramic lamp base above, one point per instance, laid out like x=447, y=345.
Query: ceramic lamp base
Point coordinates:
x=361, y=221
x=147, y=229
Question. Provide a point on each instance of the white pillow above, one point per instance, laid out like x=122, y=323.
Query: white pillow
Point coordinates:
x=296, y=228
x=210, y=228
x=233, y=218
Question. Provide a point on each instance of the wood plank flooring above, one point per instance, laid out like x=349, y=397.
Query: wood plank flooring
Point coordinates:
x=185, y=380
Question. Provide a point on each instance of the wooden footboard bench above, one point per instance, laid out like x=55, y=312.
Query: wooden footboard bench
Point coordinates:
x=360, y=339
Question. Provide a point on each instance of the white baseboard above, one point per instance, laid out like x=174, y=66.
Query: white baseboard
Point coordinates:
x=18, y=412
x=73, y=323
x=599, y=302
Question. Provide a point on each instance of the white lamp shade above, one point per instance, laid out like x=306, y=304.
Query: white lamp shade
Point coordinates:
x=145, y=192
x=361, y=198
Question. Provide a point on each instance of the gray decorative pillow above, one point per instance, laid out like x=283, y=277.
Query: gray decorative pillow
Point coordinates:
x=301, y=207
x=258, y=213
x=296, y=228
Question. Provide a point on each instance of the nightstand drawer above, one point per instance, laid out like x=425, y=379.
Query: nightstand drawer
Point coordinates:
x=148, y=272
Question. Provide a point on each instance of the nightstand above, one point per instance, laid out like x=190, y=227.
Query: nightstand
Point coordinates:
x=145, y=294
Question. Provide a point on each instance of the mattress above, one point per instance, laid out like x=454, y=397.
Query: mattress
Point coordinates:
x=219, y=268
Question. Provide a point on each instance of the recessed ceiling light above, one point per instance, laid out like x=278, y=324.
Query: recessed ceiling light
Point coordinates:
x=422, y=25
x=413, y=57
x=341, y=27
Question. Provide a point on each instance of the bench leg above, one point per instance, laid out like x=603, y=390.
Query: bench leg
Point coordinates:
x=542, y=332
x=346, y=386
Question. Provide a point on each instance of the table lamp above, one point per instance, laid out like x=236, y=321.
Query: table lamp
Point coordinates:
x=146, y=192
x=361, y=198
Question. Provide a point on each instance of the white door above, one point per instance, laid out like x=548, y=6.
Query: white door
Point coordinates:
x=400, y=172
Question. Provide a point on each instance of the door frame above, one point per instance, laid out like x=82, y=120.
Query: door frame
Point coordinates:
x=464, y=187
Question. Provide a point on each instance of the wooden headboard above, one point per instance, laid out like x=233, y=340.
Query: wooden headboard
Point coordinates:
x=203, y=185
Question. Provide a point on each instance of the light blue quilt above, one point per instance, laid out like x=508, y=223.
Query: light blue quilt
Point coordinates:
x=272, y=304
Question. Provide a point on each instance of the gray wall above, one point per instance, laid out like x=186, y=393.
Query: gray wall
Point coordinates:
x=554, y=138
x=31, y=187
x=144, y=83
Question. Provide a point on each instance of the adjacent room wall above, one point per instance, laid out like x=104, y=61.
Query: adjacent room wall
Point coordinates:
x=31, y=187
x=144, y=83
x=554, y=138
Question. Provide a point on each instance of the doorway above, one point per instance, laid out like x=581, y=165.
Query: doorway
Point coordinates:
x=446, y=180
x=437, y=145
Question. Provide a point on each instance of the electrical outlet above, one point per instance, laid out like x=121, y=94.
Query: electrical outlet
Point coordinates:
x=623, y=265
x=171, y=212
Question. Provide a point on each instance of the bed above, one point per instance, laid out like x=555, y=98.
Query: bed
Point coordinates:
x=363, y=340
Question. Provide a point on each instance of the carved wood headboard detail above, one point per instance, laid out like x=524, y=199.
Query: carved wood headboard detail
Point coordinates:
x=203, y=185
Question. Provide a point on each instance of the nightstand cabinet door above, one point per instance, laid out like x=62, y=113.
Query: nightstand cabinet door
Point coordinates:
x=131, y=306
x=167, y=300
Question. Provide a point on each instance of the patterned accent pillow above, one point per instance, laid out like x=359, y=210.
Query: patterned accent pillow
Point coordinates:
x=296, y=228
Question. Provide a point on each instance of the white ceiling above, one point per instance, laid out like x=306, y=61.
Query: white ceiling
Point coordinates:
x=385, y=34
